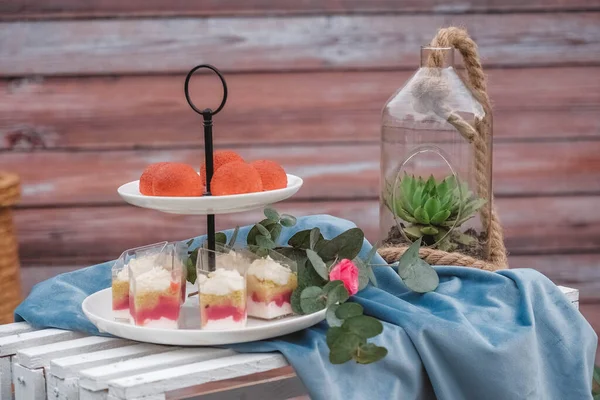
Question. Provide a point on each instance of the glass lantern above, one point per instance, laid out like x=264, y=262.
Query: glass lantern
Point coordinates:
x=431, y=186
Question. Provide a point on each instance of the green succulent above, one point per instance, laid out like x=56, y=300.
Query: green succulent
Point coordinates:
x=432, y=209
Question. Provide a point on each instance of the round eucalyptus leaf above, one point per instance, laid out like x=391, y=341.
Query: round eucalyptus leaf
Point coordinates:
x=271, y=214
x=263, y=231
x=312, y=299
x=265, y=242
x=288, y=220
x=369, y=353
x=344, y=347
x=338, y=294
x=363, y=326
x=331, y=316
x=349, y=310
x=332, y=335
x=419, y=276
x=331, y=284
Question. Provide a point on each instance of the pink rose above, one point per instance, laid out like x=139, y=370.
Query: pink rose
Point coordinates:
x=346, y=272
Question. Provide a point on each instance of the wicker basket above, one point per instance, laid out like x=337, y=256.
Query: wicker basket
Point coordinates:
x=10, y=279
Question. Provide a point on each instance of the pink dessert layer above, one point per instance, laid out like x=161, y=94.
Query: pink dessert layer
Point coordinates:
x=120, y=304
x=222, y=312
x=279, y=300
x=167, y=307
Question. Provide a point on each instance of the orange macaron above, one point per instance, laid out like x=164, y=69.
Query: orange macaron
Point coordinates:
x=235, y=177
x=171, y=179
x=148, y=177
x=178, y=180
x=272, y=174
x=220, y=158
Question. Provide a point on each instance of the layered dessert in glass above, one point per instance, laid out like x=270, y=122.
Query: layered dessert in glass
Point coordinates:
x=222, y=292
x=270, y=283
x=138, y=259
x=156, y=295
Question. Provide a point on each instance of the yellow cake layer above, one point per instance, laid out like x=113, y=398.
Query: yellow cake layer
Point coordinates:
x=235, y=299
x=150, y=299
x=267, y=289
x=120, y=289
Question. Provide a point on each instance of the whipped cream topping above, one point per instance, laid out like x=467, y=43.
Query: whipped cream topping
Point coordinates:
x=269, y=269
x=156, y=279
x=140, y=264
x=222, y=281
x=123, y=274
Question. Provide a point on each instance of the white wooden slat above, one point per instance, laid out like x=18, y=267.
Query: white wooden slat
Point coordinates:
x=9, y=345
x=23, y=336
x=15, y=328
x=40, y=356
x=29, y=383
x=86, y=394
x=97, y=378
x=5, y=378
x=62, y=379
x=157, y=382
x=62, y=389
x=571, y=293
x=67, y=367
x=576, y=304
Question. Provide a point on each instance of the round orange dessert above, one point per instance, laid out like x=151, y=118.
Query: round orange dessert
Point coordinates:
x=148, y=177
x=235, y=178
x=271, y=173
x=220, y=158
x=177, y=180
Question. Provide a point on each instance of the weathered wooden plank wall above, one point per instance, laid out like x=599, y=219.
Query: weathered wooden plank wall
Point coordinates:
x=91, y=92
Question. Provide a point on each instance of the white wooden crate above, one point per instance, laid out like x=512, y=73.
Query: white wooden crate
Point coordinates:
x=64, y=365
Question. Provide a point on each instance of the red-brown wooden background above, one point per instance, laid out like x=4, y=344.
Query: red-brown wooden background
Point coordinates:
x=93, y=91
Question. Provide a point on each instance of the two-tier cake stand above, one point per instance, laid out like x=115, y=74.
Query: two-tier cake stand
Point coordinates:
x=97, y=307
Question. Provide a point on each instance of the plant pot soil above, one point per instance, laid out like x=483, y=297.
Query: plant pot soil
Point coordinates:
x=476, y=250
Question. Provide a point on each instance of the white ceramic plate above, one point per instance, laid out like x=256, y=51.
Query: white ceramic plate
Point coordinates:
x=98, y=308
x=209, y=204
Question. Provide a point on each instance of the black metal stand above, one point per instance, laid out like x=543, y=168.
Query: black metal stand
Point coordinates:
x=207, y=115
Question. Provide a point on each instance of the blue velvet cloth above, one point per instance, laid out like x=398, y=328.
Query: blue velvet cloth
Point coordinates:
x=480, y=335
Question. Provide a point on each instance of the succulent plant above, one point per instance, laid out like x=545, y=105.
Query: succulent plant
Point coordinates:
x=432, y=209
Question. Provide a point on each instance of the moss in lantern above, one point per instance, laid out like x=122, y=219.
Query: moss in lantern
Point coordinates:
x=433, y=211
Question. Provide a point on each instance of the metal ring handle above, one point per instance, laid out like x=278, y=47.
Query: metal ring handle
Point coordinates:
x=187, y=89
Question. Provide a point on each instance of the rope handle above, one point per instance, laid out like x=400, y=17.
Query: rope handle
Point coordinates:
x=460, y=40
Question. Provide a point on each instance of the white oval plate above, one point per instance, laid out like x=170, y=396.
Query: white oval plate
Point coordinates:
x=98, y=308
x=130, y=192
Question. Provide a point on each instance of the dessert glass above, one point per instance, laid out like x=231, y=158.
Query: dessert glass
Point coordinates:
x=222, y=290
x=270, y=283
x=139, y=258
x=156, y=295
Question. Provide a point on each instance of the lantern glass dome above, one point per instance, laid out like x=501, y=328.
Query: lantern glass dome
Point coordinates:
x=432, y=186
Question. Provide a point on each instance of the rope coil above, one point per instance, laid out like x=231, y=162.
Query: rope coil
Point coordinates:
x=478, y=135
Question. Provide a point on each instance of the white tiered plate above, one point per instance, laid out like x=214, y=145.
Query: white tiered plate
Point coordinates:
x=209, y=204
x=98, y=308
